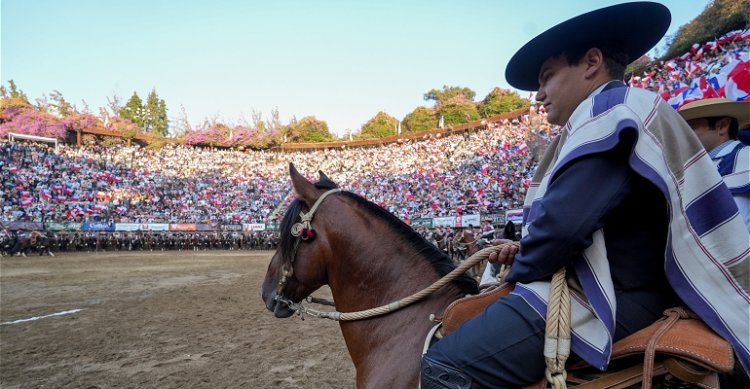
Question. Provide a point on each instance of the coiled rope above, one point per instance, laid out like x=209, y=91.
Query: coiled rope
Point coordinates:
x=557, y=331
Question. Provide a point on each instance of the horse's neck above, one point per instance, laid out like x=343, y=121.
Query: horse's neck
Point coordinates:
x=389, y=346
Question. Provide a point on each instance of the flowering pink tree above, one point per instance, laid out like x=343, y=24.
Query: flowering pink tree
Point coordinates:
x=127, y=128
x=33, y=122
x=213, y=135
x=251, y=138
x=81, y=121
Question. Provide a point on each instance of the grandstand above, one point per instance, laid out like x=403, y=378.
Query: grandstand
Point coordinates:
x=482, y=168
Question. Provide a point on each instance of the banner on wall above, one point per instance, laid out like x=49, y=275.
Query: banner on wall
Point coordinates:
x=98, y=226
x=206, y=227
x=496, y=218
x=50, y=226
x=467, y=220
x=28, y=226
x=154, y=227
x=254, y=227
x=514, y=215
x=231, y=227
x=127, y=226
x=182, y=227
x=444, y=221
x=421, y=222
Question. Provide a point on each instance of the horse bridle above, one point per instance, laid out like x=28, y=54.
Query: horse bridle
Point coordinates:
x=302, y=231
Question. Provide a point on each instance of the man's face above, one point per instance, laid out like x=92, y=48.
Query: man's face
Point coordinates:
x=710, y=137
x=561, y=88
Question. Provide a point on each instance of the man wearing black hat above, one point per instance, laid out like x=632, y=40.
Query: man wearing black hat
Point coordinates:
x=623, y=157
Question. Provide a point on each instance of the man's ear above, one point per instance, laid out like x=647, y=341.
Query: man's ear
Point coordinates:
x=594, y=60
x=722, y=126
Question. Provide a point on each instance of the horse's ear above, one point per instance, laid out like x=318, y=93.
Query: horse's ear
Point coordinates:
x=305, y=190
x=325, y=182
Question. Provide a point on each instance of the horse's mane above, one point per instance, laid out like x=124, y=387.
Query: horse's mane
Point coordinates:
x=437, y=258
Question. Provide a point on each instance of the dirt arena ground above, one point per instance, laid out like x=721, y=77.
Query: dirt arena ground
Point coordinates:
x=158, y=320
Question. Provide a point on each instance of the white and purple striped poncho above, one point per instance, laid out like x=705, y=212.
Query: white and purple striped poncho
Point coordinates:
x=708, y=248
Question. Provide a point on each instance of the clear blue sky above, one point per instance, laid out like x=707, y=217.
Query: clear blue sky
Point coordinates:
x=342, y=61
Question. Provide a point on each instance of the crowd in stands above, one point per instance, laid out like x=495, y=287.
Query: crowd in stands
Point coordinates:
x=461, y=173
x=483, y=171
x=720, y=68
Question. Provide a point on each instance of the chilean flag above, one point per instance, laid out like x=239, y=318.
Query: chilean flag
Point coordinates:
x=738, y=82
x=522, y=148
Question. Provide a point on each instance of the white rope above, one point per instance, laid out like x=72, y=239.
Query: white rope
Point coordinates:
x=557, y=331
x=394, y=306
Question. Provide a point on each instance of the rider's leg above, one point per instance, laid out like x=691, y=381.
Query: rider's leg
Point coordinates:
x=500, y=348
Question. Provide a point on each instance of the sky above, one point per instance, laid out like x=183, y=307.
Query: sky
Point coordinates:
x=341, y=61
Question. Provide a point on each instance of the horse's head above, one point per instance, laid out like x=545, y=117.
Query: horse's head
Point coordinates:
x=288, y=279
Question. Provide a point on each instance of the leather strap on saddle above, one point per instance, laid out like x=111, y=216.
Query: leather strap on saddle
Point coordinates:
x=685, y=346
x=469, y=307
x=679, y=343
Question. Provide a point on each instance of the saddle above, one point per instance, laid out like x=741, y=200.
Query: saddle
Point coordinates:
x=679, y=344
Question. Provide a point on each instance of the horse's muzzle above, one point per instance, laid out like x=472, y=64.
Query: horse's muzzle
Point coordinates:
x=279, y=308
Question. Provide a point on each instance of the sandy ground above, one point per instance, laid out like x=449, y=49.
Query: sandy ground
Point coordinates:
x=158, y=320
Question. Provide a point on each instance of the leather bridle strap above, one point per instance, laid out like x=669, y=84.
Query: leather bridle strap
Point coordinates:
x=305, y=223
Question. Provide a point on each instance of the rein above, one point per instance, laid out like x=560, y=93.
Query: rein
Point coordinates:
x=394, y=306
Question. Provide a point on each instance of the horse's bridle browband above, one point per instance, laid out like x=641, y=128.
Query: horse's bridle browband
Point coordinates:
x=302, y=231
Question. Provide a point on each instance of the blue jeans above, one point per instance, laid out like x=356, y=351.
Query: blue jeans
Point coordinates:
x=502, y=347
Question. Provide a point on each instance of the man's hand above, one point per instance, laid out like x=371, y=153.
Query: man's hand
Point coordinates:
x=506, y=255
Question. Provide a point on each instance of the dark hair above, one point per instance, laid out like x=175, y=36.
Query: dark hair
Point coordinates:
x=615, y=60
x=734, y=126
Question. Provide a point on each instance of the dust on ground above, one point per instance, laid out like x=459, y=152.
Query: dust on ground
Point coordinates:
x=158, y=320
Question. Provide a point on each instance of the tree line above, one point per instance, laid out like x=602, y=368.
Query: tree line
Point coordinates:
x=54, y=116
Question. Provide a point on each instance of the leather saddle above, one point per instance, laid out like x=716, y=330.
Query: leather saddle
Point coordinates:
x=678, y=344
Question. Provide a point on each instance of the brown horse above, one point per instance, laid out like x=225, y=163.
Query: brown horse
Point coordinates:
x=368, y=257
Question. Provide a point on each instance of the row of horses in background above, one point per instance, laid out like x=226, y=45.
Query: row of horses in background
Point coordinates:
x=23, y=243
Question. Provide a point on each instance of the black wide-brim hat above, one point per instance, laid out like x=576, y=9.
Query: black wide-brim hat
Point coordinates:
x=631, y=28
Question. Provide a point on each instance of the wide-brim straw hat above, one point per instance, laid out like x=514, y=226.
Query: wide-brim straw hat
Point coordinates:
x=631, y=28
x=717, y=107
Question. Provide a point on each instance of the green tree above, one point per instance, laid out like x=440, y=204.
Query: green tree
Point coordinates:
x=638, y=66
x=457, y=111
x=419, y=120
x=155, y=119
x=61, y=106
x=14, y=92
x=500, y=101
x=308, y=129
x=13, y=98
x=381, y=125
x=133, y=111
x=718, y=18
x=449, y=93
